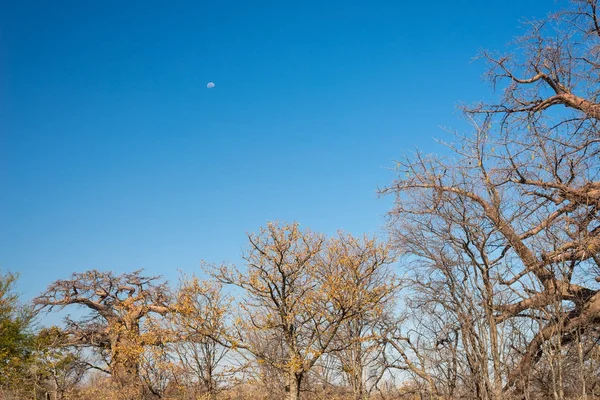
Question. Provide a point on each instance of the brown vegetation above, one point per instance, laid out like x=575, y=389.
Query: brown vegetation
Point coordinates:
x=498, y=242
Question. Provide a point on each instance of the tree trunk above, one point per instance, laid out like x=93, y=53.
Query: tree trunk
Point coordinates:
x=358, y=384
x=124, y=366
x=124, y=373
x=295, y=379
x=124, y=369
x=212, y=390
x=359, y=391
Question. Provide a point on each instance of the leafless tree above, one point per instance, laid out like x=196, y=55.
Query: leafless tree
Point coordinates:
x=527, y=181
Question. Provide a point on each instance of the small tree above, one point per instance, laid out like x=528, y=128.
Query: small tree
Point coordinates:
x=197, y=324
x=359, y=336
x=16, y=338
x=58, y=368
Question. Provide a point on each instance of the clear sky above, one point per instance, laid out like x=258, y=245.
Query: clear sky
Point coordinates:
x=115, y=155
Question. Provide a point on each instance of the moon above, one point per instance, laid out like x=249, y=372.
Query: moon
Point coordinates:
x=210, y=85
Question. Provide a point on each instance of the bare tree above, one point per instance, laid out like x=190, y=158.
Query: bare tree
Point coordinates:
x=529, y=179
x=499, y=230
x=453, y=289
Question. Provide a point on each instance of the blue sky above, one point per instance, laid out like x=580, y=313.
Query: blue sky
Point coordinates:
x=114, y=154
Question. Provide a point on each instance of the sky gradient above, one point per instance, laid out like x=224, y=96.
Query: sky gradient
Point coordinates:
x=114, y=155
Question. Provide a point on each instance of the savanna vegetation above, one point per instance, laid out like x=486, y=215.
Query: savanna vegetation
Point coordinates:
x=487, y=287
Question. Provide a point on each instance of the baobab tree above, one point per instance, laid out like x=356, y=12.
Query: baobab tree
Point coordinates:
x=528, y=178
x=550, y=106
x=120, y=308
